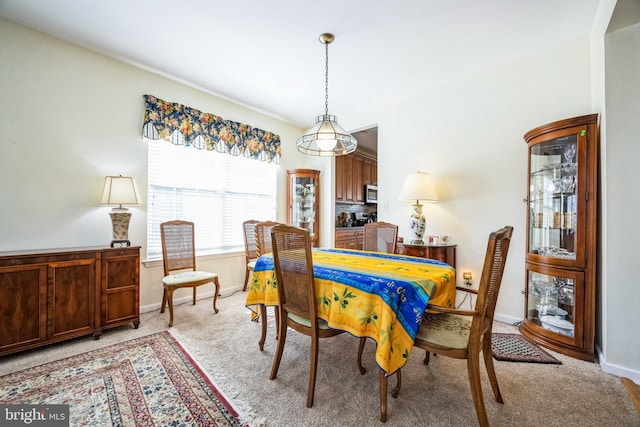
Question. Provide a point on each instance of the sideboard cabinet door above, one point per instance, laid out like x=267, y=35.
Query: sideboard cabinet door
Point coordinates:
x=72, y=298
x=120, y=287
x=23, y=308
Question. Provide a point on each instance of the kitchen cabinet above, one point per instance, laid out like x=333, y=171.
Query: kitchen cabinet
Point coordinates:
x=561, y=246
x=349, y=237
x=303, y=199
x=353, y=172
x=358, y=186
x=55, y=295
x=369, y=171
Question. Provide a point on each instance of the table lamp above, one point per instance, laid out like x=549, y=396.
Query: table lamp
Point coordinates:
x=118, y=191
x=418, y=186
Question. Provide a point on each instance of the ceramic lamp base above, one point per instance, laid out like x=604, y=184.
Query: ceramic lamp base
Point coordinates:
x=120, y=221
x=417, y=224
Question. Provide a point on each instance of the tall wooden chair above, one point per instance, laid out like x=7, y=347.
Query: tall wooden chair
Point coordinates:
x=250, y=248
x=263, y=237
x=179, y=259
x=263, y=246
x=463, y=334
x=296, y=293
x=380, y=237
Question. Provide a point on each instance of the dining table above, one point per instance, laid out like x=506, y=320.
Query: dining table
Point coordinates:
x=377, y=295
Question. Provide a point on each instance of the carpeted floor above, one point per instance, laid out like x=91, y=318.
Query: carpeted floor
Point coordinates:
x=144, y=381
x=576, y=393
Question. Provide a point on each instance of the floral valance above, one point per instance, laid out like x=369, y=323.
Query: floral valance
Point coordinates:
x=187, y=126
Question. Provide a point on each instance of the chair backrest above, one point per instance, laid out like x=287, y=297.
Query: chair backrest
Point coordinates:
x=294, y=270
x=492, y=269
x=178, y=247
x=263, y=237
x=250, y=248
x=380, y=237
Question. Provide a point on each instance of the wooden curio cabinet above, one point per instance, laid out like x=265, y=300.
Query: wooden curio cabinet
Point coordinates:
x=560, y=277
x=303, y=199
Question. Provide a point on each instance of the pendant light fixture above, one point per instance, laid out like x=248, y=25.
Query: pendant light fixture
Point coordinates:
x=326, y=137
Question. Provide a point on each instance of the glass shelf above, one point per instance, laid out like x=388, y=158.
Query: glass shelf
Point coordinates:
x=551, y=302
x=552, y=198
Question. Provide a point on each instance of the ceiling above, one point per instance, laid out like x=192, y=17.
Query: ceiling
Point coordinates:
x=266, y=54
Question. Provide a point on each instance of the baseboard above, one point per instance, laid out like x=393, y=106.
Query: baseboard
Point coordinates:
x=200, y=295
x=618, y=371
x=507, y=319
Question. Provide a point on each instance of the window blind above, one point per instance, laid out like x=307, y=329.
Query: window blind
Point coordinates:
x=214, y=190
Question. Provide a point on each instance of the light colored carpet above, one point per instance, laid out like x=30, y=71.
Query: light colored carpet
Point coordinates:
x=576, y=393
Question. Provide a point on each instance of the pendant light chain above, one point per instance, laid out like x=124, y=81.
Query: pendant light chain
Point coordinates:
x=326, y=79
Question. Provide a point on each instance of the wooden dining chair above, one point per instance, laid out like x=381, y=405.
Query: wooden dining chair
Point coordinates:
x=380, y=237
x=263, y=246
x=296, y=292
x=179, y=260
x=463, y=334
x=250, y=248
x=263, y=236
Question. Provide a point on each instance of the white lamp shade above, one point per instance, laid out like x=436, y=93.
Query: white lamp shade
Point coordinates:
x=418, y=186
x=120, y=190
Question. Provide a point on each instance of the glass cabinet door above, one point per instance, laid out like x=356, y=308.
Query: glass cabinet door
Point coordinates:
x=555, y=183
x=554, y=301
x=303, y=201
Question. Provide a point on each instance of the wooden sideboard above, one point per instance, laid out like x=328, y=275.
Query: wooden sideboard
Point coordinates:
x=54, y=295
x=444, y=253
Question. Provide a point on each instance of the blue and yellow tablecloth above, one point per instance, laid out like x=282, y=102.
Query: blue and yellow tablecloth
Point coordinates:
x=369, y=294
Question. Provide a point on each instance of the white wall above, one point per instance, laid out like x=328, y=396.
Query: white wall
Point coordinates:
x=621, y=295
x=469, y=135
x=68, y=118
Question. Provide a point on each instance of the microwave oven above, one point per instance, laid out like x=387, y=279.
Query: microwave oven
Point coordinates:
x=371, y=193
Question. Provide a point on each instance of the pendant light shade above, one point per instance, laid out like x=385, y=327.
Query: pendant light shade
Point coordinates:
x=326, y=137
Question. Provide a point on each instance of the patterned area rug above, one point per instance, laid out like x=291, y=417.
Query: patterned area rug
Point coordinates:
x=143, y=382
x=516, y=348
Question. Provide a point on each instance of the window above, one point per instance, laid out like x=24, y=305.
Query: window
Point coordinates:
x=216, y=191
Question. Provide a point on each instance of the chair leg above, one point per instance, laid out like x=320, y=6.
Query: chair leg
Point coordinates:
x=263, y=323
x=427, y=356
x=383, y=395
x=487, y=354
x=215, y=296
x=313, y=368
x=396, y=391
x=164, y=300
x=194, y=295
x=279, y=349
x=276, y=314
x=473, y=366
x=169, y=293
x=363, y=340
x=246, y=280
